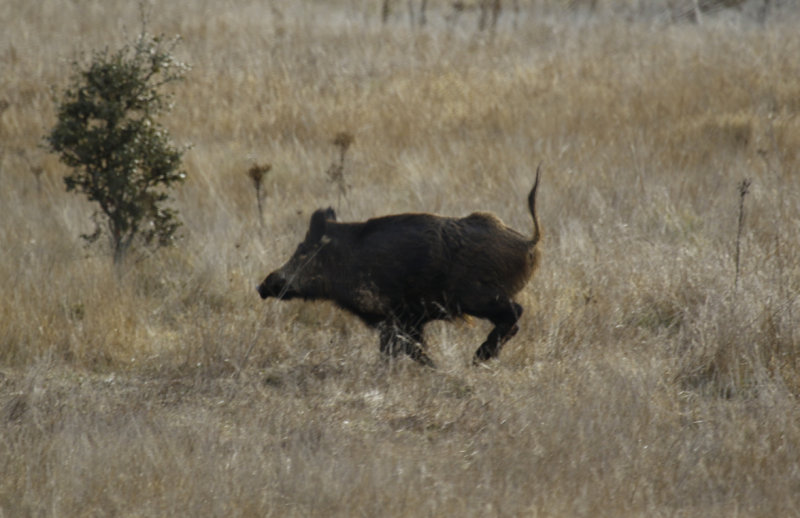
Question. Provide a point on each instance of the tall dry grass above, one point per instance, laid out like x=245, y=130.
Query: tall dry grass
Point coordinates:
x=644, y=380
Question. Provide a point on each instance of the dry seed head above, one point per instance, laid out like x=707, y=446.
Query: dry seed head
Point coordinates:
x=744, y=187
x=343, y=140
x=257, y=173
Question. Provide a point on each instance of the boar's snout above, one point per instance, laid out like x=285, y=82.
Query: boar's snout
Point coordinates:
x=273, y=286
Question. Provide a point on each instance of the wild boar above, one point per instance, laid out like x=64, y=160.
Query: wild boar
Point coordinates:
x=399, y=272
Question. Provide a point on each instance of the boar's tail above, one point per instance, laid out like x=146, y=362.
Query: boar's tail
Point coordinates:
x=532, y=208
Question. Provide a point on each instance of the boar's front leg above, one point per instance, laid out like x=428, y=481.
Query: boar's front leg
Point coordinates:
x=504, y=317
x=397, y=338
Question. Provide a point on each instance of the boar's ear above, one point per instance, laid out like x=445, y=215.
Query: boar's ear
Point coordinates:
x=316, y=228
x=330, y=215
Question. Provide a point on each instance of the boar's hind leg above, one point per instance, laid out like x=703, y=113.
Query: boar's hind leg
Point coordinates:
x=396, y=338
x=504, y=318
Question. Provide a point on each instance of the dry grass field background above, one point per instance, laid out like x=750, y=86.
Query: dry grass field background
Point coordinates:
x=644, y=381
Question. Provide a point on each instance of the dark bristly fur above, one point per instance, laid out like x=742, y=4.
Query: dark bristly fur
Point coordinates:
x=399, y=272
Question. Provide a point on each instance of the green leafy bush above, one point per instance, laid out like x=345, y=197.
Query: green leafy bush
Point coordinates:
x=121, y=157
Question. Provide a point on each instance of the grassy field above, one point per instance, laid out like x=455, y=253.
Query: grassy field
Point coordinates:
x=646, y=380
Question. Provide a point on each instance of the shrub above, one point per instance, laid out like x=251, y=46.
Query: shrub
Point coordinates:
x=121, y=157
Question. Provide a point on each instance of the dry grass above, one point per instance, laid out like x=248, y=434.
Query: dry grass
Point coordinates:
x=643, y=382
